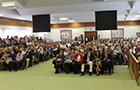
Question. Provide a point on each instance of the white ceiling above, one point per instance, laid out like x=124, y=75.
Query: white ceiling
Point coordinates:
x=79, y=10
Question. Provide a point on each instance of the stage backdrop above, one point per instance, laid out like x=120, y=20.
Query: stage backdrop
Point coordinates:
x=65, y=34
x=117, y=33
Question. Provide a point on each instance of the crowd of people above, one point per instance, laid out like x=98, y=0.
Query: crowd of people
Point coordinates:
x=71, y=55
x=99, y=55
x=23, y=52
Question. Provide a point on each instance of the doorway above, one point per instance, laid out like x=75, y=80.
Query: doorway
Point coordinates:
x=91, y=35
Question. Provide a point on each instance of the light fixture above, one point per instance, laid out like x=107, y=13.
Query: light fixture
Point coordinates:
x=137, y=15
x=71, y=20
x=21, y=18
x=64, y=18
x=53, y=17
x=139, y=11
x=134, y=19
x=1, y=15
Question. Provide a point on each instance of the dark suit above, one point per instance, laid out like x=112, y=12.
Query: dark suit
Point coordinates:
x=29, y=55
x=105, y=63
x=13, y=56
x=91, y=58
x=50, y=49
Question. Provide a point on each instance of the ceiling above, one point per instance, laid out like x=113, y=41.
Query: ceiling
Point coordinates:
x=79, y=10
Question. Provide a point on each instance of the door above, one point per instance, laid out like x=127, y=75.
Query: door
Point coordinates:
x=91, y=35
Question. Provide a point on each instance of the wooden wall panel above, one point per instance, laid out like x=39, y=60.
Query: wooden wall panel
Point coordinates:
x=128, y=23
x=14, y=22
x=90, y=24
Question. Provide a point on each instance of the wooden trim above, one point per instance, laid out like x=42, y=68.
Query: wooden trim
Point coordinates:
x=134, y=58
x=133, y=67
x=128, y=23
x=14, y=22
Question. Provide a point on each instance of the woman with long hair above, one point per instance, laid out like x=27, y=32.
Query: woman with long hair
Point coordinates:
x=58, y=62
x=35, y=55
x=97, y=62
x=125, y=55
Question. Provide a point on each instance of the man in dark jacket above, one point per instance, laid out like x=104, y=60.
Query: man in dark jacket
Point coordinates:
x=87, y=60
x=106, y=61
x=28, y=56
x=13, y=58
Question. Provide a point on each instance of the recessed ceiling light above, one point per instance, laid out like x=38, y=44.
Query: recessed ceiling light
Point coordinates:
x=1, y=14
x=134, y=19
x=137, y=15
x=21, y=18
x=64, y=18
x=71, y=20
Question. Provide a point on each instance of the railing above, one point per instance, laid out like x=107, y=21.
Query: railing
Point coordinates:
x=133, y=67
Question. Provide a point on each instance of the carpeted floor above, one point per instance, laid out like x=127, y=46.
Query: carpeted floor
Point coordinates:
x=42, y=77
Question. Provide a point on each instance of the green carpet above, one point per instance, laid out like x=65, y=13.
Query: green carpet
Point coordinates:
x=42, y=77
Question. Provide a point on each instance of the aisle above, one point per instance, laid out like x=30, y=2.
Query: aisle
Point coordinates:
x=42, y=77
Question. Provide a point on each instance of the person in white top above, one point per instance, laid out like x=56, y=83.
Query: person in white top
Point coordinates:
x=68, y=45
x=66, y=51
x=62, y=46
x=138, y=40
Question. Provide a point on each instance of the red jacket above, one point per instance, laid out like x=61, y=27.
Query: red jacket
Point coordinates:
x=75, y=57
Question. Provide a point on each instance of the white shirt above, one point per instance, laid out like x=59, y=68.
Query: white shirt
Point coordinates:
x=138, y=39
x=23, y=52
x=69, y=45
x=134, y=51
x=62, y=46
x=65, y=53
x=79, y=58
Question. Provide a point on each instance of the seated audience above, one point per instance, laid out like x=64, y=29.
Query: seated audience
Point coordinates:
x=41, y=53
x=0, y=53
x=58, y=62
x=18, y=60
x=35, y=55
x=97, y=62
x=106, y=61
x=50, y=49
x=66, y=51
x=28, y=57
x=125, y=55
x=78, y=58
x=87, y=60
x=3, y=59
x=117, y=54
x=73, y=51
x=69, y=58
x=12, y=58
x=31, y=47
